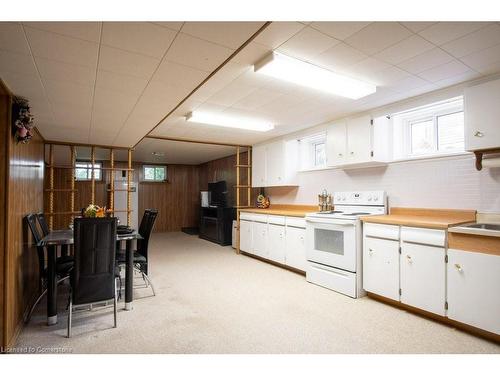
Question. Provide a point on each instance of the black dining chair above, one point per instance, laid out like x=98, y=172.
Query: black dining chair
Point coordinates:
x=65, y=257
x=93, y=279
x=141, y=258
x=63, y=266
x=43, y=223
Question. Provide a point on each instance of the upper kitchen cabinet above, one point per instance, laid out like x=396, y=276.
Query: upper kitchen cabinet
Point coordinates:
x=482, y=116
x=359, y=142
x=275, y=164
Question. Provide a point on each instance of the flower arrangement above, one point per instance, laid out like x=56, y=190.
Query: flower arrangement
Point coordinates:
x=23, y=120
x=263, y=201
x=93, y=210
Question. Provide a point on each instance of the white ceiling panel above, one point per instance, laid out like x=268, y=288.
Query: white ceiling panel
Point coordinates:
x=179, y=75
x=70, y=93
x=406, y=49
x=139, y=37
x=257, y=98
x=307, y=44
x=417, y=26
x=170, y=25
x=12, y=38
x=197, y=53
x=17, y=63
x=120, y=82
x=425, y=61
x=28, y=86
x=443, y=32
x=378, y=36
x=58, y=71
x=483, y=58
x=125, y=62
x=62, y=48
x=278, y=33
x=231, y=94
x=227, y=34
x=339, y=30
x=448, y=70
x=339, y=56
x=82, y=30
x=486, y=37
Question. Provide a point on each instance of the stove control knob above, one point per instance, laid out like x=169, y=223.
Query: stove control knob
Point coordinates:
x=375, y=198
x=343, y=198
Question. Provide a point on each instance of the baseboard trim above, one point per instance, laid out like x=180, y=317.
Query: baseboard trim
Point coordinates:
x=281, y=265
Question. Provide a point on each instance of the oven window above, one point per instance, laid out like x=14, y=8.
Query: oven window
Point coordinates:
x=330, y=241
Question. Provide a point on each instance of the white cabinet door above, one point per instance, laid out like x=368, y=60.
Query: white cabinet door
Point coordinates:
x=422, y=280
x=359, y=145
x=381, y=267
x=336, y=143
x=296, y=248
x=482, y=112
x=474, y=289
x=275, y=162
x=259, y=166
x=259, y=239
x=276, y=243
x=246, y=236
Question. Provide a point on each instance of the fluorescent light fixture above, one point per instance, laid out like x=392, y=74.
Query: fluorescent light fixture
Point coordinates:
x=220, y=119
x=303, y=73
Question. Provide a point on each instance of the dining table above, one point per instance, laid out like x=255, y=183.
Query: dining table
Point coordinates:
x=64, y=238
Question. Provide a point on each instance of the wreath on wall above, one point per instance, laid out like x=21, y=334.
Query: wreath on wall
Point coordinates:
x=22, y=120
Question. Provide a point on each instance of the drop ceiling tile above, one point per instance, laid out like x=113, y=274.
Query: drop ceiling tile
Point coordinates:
x=251, y=54
x=417, y=26
x=82, y=30
x=278, y=33
x=120, y=82
x=483, y=58
x=338, y=56
x=388, y=76
x=476, y=41
x=378, y=36
x=408, y=83
x=425, y=61
x=443, y=32
x=170, y=25
x=56, y=47
x=179, y=75
x=339, y=30
x=17, y=63
x=68, y=93
x=257, y=99
x=196, y=53
x=448, y=70
x=459, y=78
x=139, y=37
x=21, y=84
x=160, y=97
x=365, y=69
x=12, y=38
x=124, y=62
x=73, y=116
x=231, y=94
x=406, y=49
x=307, y=44
x=228, y=34
x=114, y=102
x=59, y=71
x=489, y=69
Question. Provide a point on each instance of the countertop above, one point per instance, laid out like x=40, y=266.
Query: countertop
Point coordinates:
x=283, y=210
x=423, y=217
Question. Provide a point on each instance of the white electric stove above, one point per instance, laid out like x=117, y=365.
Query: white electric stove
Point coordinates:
x=334, y=241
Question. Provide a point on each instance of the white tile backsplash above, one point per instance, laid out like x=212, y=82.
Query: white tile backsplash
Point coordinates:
x=451, y=182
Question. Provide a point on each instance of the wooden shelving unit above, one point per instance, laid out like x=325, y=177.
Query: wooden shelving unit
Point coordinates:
x=248, y=186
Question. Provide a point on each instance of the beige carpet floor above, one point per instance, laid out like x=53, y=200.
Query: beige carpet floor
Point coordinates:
x=210, y=300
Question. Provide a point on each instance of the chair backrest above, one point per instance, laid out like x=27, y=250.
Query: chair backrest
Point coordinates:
x=145, y=229
x=93, y=276
x=31, y=221
x=43, y=223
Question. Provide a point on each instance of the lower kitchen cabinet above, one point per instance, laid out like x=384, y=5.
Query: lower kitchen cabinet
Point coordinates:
x=381, y=267
x=423, y=273
x=473, y=289
x=276, y=243
x=259, y=239
x=246, y=236
x=296, y=248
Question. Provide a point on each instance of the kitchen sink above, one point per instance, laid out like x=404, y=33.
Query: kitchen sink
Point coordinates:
x=482, y=226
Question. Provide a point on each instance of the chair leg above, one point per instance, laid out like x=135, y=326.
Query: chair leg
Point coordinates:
x=115, y=303
x=28, y=318
x=150, y=283
x=70, y=315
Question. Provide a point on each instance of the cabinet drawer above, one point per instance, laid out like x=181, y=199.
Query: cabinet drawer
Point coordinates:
x=433, y=237
x=390, y=232
x=246, y=216
x=277, y=220
x=296, y=222
x=332, y=278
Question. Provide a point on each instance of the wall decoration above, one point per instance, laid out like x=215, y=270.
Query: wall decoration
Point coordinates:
x=22, y=120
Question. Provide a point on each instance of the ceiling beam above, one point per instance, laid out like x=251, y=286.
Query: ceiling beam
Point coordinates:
x=262, y=28
x=194, y=141
x=62, y=143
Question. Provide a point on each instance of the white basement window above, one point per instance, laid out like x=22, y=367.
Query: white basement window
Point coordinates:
x=83, y=171
x=313, y=151
x=154, y=173
x=433, y=130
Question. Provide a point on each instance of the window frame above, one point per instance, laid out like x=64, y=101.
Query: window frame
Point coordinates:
x=307, y=151
x=155, y=166
x=89, y=170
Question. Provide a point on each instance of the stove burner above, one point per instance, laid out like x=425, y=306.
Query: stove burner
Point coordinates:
x=357, y=213
x=329, y=212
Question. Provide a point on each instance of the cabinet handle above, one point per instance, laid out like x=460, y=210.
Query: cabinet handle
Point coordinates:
x=352, y=152
x=302, y=238
x=478, y=134
x=409, y=259
x=459, y=267
x=370, y=251
x=340, y=154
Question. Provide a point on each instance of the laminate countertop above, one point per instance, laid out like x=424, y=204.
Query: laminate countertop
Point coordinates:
x=283, y=210
x=423, y=217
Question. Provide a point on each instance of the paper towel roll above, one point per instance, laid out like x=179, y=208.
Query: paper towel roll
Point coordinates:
x=491, y=162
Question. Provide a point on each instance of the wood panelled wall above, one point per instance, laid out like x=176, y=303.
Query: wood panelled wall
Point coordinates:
x=224, y=169
x=24, y=194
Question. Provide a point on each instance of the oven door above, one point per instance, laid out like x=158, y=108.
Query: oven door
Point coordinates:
x=331, y=242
